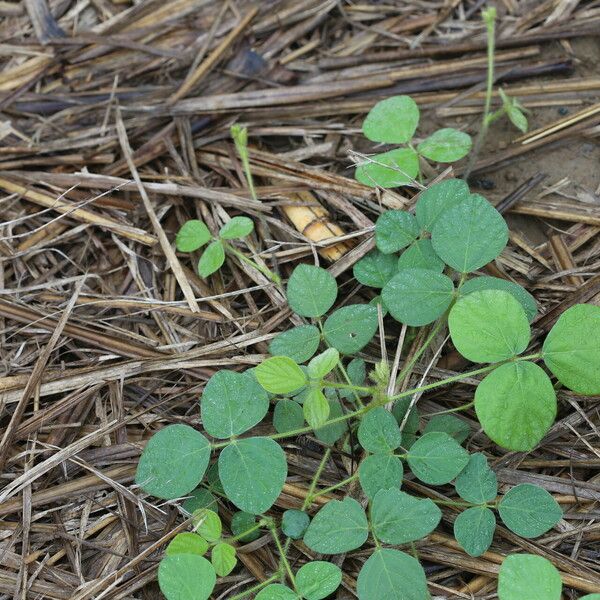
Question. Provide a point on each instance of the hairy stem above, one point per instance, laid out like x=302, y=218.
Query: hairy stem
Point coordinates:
x=261, y=268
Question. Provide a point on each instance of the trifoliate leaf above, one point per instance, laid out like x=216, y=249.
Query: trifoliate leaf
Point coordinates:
x=389, y=169
x=199, y=498
x=212, y=259
x=298, y=343
x=192, y=235
x=236, y=228
x=223, y=559
x=439, y=198
x=258, y=460
x=489, y=326
x=311, y=291
x=393, y=120
x=323, y=363
x=174, y=449
x=516, y=405
x=287, y=416
x=187, y=543
x=330, y=434
x=350, y=328
x=474, y=530
x=340, y=526
x=379, y=432
x=185, y=576
x=417, y=296
x=399, y=518
x=315, y=408
x=572, y=350
x=529, y=510
x=294, y=523
x=318, y=579
x=380, y=472
x=453, y=426
x=528, y=576
x=207, y=524
x=446, y=145
x=280, y=375
x=241, y=522
x=420, y=255
x=470, y=235
x=477, y=483
x=526, y=300
x=232, y=403
x=392, y=575
x=375, y=269
x=436, y=458
x=394, y=230
x=276, y=591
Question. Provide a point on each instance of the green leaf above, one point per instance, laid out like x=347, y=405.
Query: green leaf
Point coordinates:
x=513, y=111
x=192, y=235
x=394, y=230
x=322, y=364
x=420, y=255
x=438, y=198
x=357, y=371
x=470, y=235
x=175, y=449
x=516, y=405
x=389, y=169
x=257, y=460
x=332, y=433
x=280, y=375
x=529, y=510
x=392, y=575
x=240, y=523
x=223, y=559
x=417, y=296
x=276, y=591
x=199, y=498
x=453, y=426
x=436, y=458
x=213, y=481
x=375, y=269
x=340, y=526
x=236, y=228
x=207, y=524
x=318, y=579
x=446, y=145
x=495, y=283
x=590, y=597
x=477, y=483
x=474, y=530
x=187, y=543
x=379, y=432
x=298, y=343
x=294, y=523
x=316, y=408
x=399, y=518
x=489, y=326
x=186, y=576
x=528, y=576
x=571, y=350
x=287, y=416
x=350, y=328
x=412, y=424
x=311, y=291
x=380, y=472
x=393, y=120
x=212, y=259
x=231, y=404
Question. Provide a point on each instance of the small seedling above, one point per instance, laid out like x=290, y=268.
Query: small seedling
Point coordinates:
x=424, y=265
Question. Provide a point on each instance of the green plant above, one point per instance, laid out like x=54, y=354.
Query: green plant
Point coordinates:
x=394, y=121
x=451, y=234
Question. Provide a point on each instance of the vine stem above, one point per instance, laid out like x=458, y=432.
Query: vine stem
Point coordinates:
x=332, y=488
x=282, y=554
x=452, y=410
x=264, y=270
x=256, y=588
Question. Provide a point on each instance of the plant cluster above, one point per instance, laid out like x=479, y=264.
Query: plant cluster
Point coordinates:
x=314, y=384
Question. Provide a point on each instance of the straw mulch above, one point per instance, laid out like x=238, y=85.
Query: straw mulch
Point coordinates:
x=115, y=129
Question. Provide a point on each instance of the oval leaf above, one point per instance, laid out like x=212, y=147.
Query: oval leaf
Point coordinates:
x=318, y=579
x=311, y=291
x=330, y=434
x=389, y=169
x=470, y=235
x=212, y=259
x=280, y=375
x=528, y=576
x=417, y=296
x=294, y=523
x=516, y=405
x=477, y=483
x=446, y=145
x=223, y=559
x=241, y=522
x=489, y=326
x=192, y=235
x=287, y=416
x=257, y=460
x=316, y=408
x=276, y=591
x=433, y=202
x=236, y=228
x=436, y=458
x=420, y=255
x=394, y=230
x=186, y=576
x=187, y=543
x=298, y=343
x=379, y=432
x=175, y=449
x=323, y=363
x=392, y=121
x=474, y=530
x=453, y=426
x=380, y=472
x=350, y=328
x=375, y=269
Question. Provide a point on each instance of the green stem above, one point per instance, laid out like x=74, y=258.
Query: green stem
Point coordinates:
x=313, y=484
x=256, y=588
x=452, y=410
x=282, y=554
x=252, y=529
x=453, y=503
x=332, y=488
x=264, y=270
x=346, y=386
